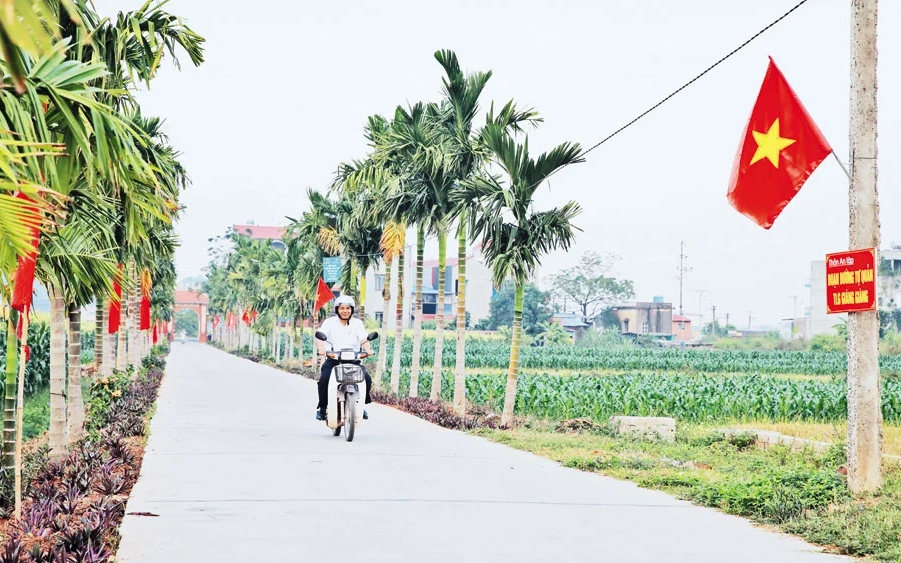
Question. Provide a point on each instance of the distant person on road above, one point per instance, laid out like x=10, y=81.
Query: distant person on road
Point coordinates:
x=342, y=331
x=182, y=336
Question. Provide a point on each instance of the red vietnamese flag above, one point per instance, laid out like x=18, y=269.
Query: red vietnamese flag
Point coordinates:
x=115, y=305
x=23, y=279
x=780, y=149
x=323, y=295
x=155, y=336
x=145, y=314
x=216, y=322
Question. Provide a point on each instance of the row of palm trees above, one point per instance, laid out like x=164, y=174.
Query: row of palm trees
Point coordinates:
x=433, y=170
x=102, y=182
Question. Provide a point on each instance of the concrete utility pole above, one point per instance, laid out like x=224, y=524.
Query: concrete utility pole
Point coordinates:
x=864, y=408
x=713, y=324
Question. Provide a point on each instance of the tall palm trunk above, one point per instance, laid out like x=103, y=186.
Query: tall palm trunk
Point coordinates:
x=399, y=325
x=99, y=324
x=383, y=345
x=439, y=315
x=362, y=302
x=460, y=371
x=58, y=325
x=513, y=371
x=134, y=319
x=313, y=355
x=417, y=320
x=121, y=335
x=9, y=407
x=75, y=413
x=109, y=346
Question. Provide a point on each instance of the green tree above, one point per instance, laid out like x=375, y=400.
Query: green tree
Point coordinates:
x=536, y=308
x=589, y=286
x=514, y=234
x=186, y=320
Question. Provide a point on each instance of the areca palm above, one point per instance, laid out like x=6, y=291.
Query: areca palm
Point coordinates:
x=91, y=132
x=414, y=134
x=514, y=235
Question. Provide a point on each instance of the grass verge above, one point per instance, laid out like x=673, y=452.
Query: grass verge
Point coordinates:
x=803, y=492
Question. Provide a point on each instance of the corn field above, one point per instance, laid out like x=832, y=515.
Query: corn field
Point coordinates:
x=694, y=398
x=485, y=353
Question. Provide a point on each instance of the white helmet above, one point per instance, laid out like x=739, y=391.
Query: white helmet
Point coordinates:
x=345, y=300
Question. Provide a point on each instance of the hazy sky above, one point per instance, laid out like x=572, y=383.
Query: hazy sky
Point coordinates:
x=287, y=87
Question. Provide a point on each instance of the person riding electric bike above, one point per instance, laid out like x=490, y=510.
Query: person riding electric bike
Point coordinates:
x=343, y=331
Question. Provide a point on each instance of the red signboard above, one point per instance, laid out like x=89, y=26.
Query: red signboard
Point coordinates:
x=851, y=281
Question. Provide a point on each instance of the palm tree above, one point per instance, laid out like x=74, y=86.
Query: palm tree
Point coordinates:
x=414, y=132
x=392, y=245
x=514, y=235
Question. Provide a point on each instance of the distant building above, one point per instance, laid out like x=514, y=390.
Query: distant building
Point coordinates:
x=646, y=318
x=479, y=289
x=681, y=328
x=574, y=324
x=795, y=328
x=260, y=232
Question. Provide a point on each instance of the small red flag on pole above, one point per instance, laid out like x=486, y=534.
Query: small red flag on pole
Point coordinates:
x=323, y=295
x=23, y=280
x=115, y=305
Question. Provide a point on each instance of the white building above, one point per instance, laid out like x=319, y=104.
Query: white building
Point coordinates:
x=479, y=289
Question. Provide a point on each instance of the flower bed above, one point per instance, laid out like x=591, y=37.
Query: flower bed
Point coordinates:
x=72, y=509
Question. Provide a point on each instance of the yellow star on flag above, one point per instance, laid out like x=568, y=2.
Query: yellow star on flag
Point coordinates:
x=770, y=144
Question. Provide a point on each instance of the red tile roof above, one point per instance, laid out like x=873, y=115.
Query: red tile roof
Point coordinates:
x=260, y=232
x=191, y=297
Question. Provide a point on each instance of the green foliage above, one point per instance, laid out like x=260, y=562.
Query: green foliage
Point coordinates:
x=589, y=287
x=37, y=370
x=828, y=343
x=776, y=495
x=87, y=339
x=536, y=309
x=690, y=398
x=36, y=414
x=186, y=320
x=603, y=352
x=103, y=393
x=551, y=334
x=605, y=340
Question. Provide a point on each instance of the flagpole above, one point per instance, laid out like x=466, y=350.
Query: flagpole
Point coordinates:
x=20, y=400
x=842, y=164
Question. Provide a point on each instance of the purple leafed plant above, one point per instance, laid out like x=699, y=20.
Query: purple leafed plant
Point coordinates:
x=12, y=549
x=37, y=518
x=108, y=483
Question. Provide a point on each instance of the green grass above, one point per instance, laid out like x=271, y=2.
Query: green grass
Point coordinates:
x=36, y=413
x=800, y=492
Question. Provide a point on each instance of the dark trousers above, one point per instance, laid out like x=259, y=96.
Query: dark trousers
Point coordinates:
x=324, y=375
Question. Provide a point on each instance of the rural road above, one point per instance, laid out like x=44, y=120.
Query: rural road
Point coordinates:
x=237, y=469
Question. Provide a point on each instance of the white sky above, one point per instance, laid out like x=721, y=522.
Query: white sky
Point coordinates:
x=287, y=87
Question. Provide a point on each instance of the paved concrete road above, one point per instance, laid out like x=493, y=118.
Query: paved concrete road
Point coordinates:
x=237, y=469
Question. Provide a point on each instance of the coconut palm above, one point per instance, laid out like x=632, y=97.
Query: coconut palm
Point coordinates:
x=514, y=235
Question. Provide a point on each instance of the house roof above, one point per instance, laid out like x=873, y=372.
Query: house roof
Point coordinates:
x=187, y=296
x=681, y=319
x=568, y=320
x=260, y=232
